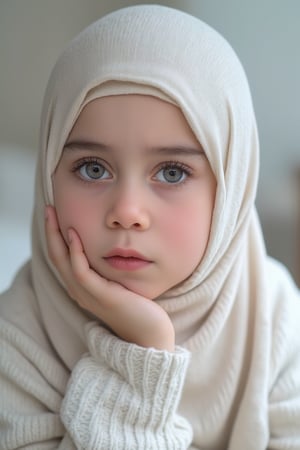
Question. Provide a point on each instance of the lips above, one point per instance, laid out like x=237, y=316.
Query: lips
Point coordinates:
x=126, y=259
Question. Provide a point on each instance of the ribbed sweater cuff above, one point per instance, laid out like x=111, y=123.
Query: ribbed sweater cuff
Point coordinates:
x=125, y=396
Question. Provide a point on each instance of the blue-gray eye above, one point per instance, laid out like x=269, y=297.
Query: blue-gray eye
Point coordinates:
x=171, y=174
x=92, y=171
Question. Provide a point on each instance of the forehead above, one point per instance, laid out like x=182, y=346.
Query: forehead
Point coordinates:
x=132, y=116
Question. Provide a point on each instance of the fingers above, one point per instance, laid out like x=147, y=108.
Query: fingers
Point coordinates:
x=71, y=261
x=57, y=248
x=78, y=259
x=82, y=284
x=85, y=275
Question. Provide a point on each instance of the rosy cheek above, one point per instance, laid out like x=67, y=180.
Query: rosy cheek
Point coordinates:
x=174, y=232
x=176, y=227
x=72, y=213
x=186, y=233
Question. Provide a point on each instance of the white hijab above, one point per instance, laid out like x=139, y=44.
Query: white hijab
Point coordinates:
x=159, y=51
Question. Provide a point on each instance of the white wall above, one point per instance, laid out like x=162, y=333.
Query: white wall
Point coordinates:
x=266, y=36
x=16, y=204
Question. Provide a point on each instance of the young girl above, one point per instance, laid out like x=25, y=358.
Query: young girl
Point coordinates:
x=149, y=316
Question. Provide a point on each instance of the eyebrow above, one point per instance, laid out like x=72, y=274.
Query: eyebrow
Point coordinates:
x=165, y=150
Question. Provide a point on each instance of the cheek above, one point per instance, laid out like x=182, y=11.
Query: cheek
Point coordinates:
x=186, y=231
x=74, y=212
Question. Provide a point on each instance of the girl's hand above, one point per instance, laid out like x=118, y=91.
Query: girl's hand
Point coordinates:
x=132, y=317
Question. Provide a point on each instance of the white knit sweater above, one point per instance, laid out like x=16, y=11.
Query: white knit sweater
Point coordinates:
x=119, y=395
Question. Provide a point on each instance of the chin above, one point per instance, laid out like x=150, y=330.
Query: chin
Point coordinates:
x=144, y=289
x=141, y=290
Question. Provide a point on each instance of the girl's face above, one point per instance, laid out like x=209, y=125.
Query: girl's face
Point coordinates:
x=135, y=184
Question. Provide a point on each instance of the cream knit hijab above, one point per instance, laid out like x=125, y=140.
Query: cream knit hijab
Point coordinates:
x=169, y=54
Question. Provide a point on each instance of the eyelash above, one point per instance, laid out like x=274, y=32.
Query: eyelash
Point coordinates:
x=187, y=171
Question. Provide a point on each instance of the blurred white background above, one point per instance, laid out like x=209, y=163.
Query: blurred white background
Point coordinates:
x=265, y=35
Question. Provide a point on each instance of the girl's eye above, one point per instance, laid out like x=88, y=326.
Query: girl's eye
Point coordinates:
x=172, y=173
x=92, y=171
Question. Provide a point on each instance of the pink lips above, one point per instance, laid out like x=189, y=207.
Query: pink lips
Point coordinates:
x=126, y=259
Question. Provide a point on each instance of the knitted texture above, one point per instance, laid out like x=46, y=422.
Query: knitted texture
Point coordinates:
x=124, y=396
x=32, y=385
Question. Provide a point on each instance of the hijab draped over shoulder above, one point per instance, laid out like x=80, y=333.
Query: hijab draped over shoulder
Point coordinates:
x=236, y=289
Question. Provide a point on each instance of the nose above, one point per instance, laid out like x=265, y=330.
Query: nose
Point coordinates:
x=128, y=210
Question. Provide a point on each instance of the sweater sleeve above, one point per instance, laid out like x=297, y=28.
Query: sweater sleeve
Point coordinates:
x=124, y=396
x=119, y=396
